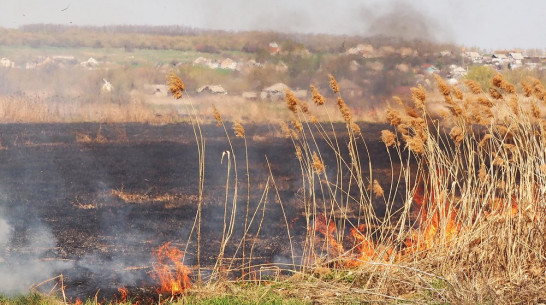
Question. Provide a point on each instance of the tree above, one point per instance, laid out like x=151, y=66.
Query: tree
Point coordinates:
x=482, y=75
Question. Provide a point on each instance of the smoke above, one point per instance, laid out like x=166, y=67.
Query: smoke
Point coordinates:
x=23, y=257
x=402, y=20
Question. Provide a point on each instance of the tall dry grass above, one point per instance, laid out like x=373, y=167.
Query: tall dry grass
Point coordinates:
x=458, y=218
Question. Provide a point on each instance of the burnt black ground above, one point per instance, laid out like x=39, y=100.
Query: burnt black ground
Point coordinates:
x=49, y=181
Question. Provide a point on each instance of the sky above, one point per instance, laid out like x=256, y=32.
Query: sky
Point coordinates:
x=487, y=24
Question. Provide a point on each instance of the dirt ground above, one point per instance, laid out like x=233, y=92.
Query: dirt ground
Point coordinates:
x=69, y=179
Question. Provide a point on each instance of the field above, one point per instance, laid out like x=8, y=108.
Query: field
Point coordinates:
x=107, y=204
x=436, y=196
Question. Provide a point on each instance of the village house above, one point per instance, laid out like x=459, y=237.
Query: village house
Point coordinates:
x=206, y=62
x=365, y=50
x=516, y=58
x=499, y=58
x=212, y=89
x=275, y=92
x=228, y=64
x=274, y=48
x=6, y=63
x=456, y=71
x=474, y=57
x=90, y=63
x=430, y=69
x=250, y=95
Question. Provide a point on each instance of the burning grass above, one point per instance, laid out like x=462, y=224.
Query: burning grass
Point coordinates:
x=459, y=219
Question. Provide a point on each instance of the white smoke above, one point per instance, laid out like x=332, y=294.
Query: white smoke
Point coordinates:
x=25, y=266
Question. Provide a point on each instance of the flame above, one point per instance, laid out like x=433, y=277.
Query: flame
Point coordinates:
x=123, y=294
x=328, y=229
x=433, y=221
x=173, y=280
x=364, y=247
x=78, y=302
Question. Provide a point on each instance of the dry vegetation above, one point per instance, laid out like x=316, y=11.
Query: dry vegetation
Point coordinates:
x=463, y=211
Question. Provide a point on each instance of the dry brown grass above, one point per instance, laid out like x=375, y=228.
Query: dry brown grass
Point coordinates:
x=476, y=178
x=39, y=109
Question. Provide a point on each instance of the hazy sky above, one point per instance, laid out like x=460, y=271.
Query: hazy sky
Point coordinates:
x=487, y=24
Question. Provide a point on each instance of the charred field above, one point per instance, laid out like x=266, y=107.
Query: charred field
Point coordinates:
x=93, y=201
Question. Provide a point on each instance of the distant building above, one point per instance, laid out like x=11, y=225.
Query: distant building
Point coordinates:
x=457, y=71
x=274, y=48
x=205, y=62
x=499, y=58
x=474, y=57
x=6, y=63
x=516, y=58
x=90, y=63
x=250, y=95
x=212, y=89
x=228, y=64
x=275, y=92
x=430, y=69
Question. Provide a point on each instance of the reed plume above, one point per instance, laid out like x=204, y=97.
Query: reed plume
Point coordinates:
x=317, y=163
x=333, y=84
x=497, y=80
x=415, y=144
x=317, y=97
x=398, y=100
x=176, y=86
x=304, y=107
x=419, y=96
x=528, y=90
x=457, y=134
x=495, y=94
x=394, y=117
x=485, y=101
x=297, y=125
x=442, y=86
x=239, y=130
x=291, y=100
x=344, y=109
x=457, y=92
x=217, y=116
x=473, y=86
x=389, y=138
x=377, y=189
x=285, y=129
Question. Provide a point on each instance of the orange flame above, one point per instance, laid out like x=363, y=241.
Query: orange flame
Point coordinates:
x=433, y=220
x=328, y=228
x=173, y=280
x=123, y=294
x=78, y=302
x=364, y=247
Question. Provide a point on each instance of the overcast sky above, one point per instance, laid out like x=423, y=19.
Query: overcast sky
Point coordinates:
x=488, y=24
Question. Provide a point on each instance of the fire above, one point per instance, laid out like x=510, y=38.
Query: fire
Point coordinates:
x=173, y=279
x=78, y=302
x=123, y=294
x=328, y=229
x=364, y=247
x=433, y=220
